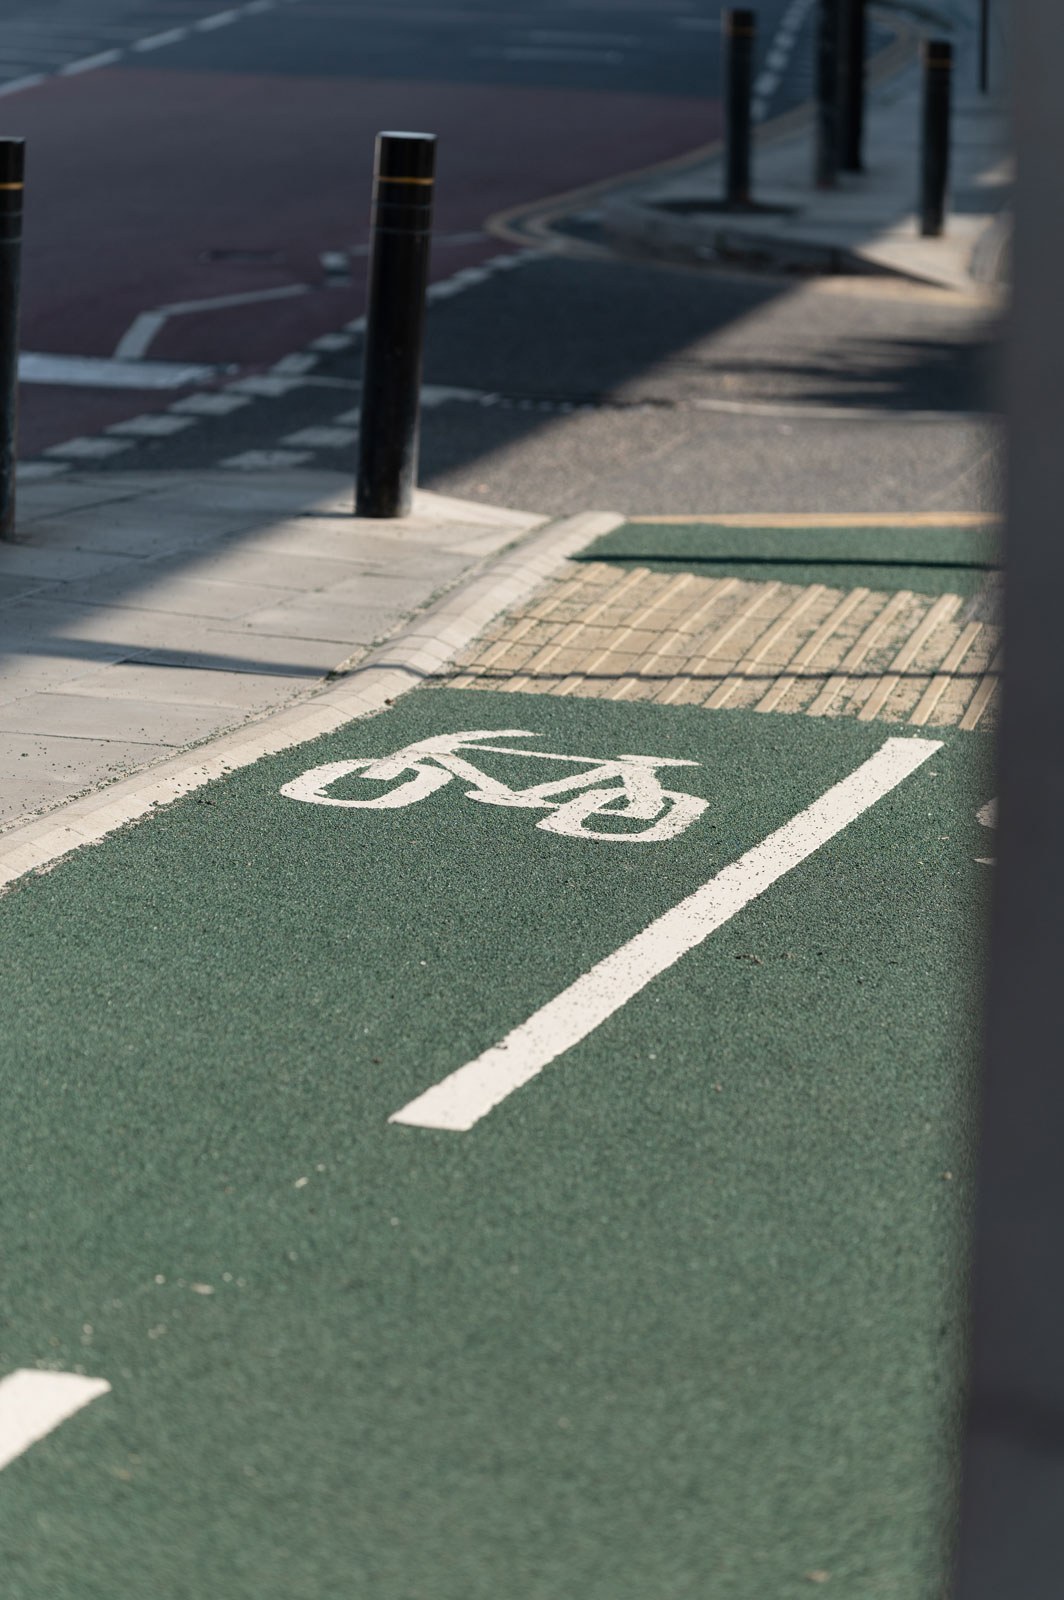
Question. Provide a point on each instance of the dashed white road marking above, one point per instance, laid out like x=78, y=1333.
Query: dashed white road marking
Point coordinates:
x=322, y=438
x=33, y=1404
x=779, y=54
x=210, y=405
x=220, y=19
x=269, y=384
x=300, y=361
x=152, y=425
x=106, y=58
x=16, y=85
x=158, y=41
x=85, y=449
x=460, y=1101
x=264, y=460
x=57, y=67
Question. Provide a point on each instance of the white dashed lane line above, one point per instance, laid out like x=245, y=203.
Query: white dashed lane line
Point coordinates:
x=291, y=372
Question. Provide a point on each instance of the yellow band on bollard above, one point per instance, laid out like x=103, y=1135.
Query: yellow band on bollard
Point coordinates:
x=12, y=185
x=382, y=177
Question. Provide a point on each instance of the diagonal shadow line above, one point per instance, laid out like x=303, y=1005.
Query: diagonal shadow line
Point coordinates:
x=192, y=660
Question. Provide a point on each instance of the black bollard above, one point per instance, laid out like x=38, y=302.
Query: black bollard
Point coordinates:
x=740, y=33
x=938, y=70
x=984, y=46
x=404, y=174
x=12, y=168
x=854, y=50
x=827, y=95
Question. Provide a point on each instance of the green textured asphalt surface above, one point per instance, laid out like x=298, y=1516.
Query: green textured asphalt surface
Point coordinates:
x=928, y=561
x=683, y=1317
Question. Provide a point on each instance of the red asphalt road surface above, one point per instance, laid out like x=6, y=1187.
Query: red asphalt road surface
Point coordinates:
x=134, y=176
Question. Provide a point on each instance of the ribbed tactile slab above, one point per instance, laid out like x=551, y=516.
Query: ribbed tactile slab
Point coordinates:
x=634, y=634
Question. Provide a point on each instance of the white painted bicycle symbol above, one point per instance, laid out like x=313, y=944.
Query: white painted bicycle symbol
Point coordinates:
x=623, y=789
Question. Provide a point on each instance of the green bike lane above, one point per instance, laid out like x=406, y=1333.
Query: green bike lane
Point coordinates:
x=680, y=1316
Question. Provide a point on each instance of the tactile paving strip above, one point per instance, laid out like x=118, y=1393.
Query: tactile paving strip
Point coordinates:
x=634, y=634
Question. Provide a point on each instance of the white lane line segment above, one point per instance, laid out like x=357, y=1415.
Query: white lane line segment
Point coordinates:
x=158, y=41
x=460, y=1101
x=33, y=1404
x=106, y=58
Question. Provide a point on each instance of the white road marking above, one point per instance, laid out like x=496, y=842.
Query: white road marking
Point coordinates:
x=89, y=449
x=323, y=438
x=16, y=86
x=220, y=19
x=147, y=324
x=153, y=425
x=210, y=405
x=299, y=361
x=101, y=372
x=781, y=48
x=33, y=1404
x=36, y=471
x=106, y=58
x=265, y=460
x=157, y=41
x=332, y=341
x=462, y=1099
x=264, y=383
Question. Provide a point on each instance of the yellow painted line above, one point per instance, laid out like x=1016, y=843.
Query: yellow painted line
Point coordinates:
x=942, y=610
x=832, y=519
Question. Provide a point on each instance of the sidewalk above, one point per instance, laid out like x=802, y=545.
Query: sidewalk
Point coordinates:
x=866, y=224
x=146, y=613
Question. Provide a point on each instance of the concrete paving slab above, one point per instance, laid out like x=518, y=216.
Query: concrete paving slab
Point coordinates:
x=62, y=565
x=158, y=722
x=178, y=686
x=220, y=600
x=185, y=596
x=39, y=768
x=353, y=619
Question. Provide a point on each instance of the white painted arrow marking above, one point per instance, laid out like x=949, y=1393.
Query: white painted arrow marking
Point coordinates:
x=459, y=1102
x=33, y=1404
